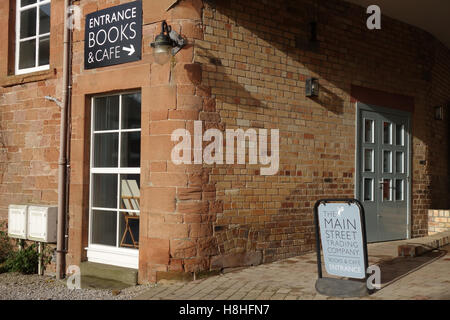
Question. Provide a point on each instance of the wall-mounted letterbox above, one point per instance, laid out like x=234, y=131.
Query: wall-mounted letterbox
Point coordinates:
x=42, y=222
x=17, y=221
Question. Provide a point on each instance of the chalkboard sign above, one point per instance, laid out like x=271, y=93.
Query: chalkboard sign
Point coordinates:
x=113, y=35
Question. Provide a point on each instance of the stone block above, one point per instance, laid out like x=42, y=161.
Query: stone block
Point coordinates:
x=236, y=260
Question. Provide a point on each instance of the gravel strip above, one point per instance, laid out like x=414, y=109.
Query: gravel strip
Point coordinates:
x=16, y=286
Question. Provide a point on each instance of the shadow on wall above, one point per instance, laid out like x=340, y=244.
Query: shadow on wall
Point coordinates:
x=257, y=70
x=292, y=218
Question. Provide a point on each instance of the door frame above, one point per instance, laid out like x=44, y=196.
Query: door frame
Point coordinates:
x=359, y=106
x=104, y=254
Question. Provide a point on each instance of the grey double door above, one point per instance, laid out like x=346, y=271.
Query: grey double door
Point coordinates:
x=383, y=172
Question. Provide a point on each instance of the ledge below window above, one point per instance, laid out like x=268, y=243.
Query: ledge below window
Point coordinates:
x=13, y=80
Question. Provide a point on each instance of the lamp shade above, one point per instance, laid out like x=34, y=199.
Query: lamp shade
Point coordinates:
x=162, y=49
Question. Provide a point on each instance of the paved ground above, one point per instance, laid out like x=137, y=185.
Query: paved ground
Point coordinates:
x=425, y=277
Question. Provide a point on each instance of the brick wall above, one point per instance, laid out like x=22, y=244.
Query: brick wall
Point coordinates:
x=438, y=221
x=255, y=58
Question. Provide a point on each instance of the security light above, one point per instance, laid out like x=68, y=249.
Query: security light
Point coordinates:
x=439, y=113
x=312, y=87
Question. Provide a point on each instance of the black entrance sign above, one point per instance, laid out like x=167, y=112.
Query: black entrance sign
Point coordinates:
x=113, y=35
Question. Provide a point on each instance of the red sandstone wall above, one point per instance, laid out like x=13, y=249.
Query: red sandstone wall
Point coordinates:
x=170, y=226
x=29, y=124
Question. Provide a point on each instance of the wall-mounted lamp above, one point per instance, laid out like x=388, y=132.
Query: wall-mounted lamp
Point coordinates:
x=439, y=113
x=166, y=44
x=312, y=87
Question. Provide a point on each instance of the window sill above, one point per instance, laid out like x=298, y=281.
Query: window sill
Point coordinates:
x=13, y=80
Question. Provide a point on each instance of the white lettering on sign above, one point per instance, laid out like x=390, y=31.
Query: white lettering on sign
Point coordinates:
x=127, y=32
x=114, y=35
x=112, y=52
x=107, y=18
x=342, y=239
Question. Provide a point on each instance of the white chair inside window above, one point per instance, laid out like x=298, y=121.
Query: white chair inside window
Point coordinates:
x=130, y=198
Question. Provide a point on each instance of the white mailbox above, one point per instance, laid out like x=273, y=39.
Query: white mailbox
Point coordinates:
x=17, y=221
x=42, y=222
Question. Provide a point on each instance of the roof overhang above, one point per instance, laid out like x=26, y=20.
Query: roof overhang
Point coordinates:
x=430, y=15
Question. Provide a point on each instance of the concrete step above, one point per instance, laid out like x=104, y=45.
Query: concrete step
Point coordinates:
x=88, y=282
x=92, y=270
x=411, y=247
x=418, y=246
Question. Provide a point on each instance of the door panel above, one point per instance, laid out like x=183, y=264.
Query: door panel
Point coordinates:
x=368, y=152
x=383, y=171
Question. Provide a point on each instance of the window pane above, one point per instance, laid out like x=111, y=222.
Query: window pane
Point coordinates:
x=44, y=51
x=129, y=235
x=131, y=111
x=104, y=192
x=399, y=162
x=368, y=189
x=368, y=160
x=44, y=19
x=387, y=160
x=399, y=190
x=399, y=135
x=106, y=147
x=129, y=221
x=28, y=23
x=387, y=189
x=387, y=132
x=24, y=3
x=130, y=153
x=106, y=113
x=368, y=131
x=27, y=56
x=130, y=192
x=104, y=227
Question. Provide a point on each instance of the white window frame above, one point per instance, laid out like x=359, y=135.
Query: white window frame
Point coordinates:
x=35, y=37
x=114, y=255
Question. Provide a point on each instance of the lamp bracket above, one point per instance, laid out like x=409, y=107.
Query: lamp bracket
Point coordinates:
x=169, y=37
x=178, y=40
